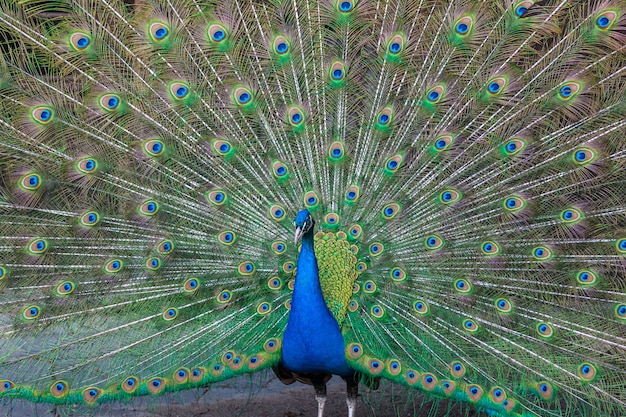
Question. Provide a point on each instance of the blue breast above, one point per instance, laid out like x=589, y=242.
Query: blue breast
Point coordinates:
x=312, y=340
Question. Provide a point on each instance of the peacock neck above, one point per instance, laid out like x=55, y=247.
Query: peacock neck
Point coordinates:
x=313, y=341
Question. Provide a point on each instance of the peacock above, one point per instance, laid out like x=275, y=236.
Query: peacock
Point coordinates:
x=427, y=192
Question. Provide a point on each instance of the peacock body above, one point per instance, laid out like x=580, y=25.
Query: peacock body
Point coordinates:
x=456, y=171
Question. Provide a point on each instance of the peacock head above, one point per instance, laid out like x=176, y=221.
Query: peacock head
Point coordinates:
x=303, y=224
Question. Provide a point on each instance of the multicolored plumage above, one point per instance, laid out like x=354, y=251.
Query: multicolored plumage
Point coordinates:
x=461, y=166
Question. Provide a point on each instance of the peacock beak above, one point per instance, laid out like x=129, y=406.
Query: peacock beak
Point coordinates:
x=298, y=235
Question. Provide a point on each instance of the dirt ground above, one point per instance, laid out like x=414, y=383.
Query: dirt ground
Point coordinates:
x=255, y=396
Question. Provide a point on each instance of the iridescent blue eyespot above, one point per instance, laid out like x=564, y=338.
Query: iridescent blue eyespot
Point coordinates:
x=282, y=47
x=566, y=91
x=462, y=28
x=433, y=96
x=520, y=11
x=603, y=21
x=383, y=119
x=345, y=6
x=82, y=42
x=395, y=47
x=160, y=33
x=218, y=35
x=296, y=118
x=494, y=87
x=337, y=74
x=112, y=102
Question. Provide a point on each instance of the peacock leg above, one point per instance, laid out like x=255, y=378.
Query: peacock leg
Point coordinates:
x=320, y=395
x=352, y=394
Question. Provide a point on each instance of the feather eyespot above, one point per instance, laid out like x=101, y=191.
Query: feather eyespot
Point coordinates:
x=179, y=90
x=89, y=219
x=353, y=306
x=246, y=268
x=38, y=246
x=443, y=142
x=3, y=273
x=224, y=297
x=522, y=7
x=42, y=114
x=448, y=387
x=586, y=277
x=606, y=19
x=65, y=288
x=345, y=6
x=375, y=366
x=30, y=182
x=310, y=199
x=496, y=85
x=336, y=151
x=337, y=71
x=475, y=392
x=197, y=374
x=242, y=95
x=497, y=395
x=153, y=264
x=288, y=267
x=86, y=166
x=79, y=41
x=274, y=283
x=514, y=146
x=271, y=345
x=59, y=389
x=217, y=33
x=542, y=253
x=412, y=377
x=457, y=369
x=583, y=156
x=353, y=193
x=514, y=203
x=369, y=287
x=331, y=219
x=587, y=372
x=569, y=90
x=31, y=312
x=398, y=274
x=113, y=266
x=435, y=94
x=222, y=147
x=91, y=394
x=277, y=212
x=279, y=247
x=571, y=215
x=281, y=45
x=463, y=286
x=130, y=384
x=545, y=330
x=620, y=244
x=377, y=311
x=216, y=197
x=155, y=385
x=227, y=237
x=503, y=305
x=620, y=311
x=361, y=267
x=109, y=102
x=429, y=381
x=390, y=211
x=421, y=307
x=170, y=314
x=376, y=249
x=490, y=248
x=463, y=26
x=385, y=116
x=158, y=31
x=148, y=208
x=295, y=116
x=191, y=285
x=470, y=325
x=165, y=247
x=280, y=170
x=433, y=242
x=181, y=375
x=449, y=196
x=393, y=163
x=264, y=308
x=354, y=350
x=545, y=390
x=395, y=44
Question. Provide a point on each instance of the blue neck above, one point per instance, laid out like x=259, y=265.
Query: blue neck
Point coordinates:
x=313, y=340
